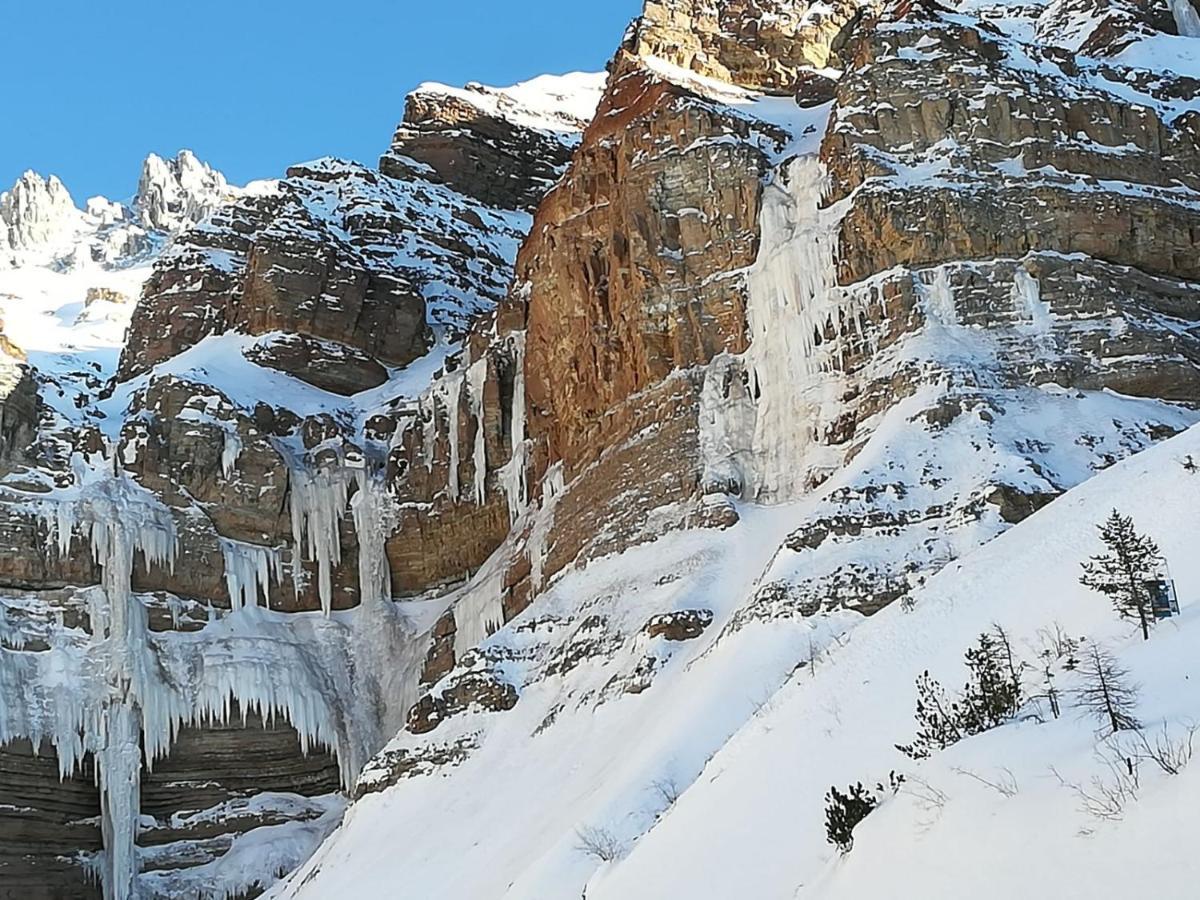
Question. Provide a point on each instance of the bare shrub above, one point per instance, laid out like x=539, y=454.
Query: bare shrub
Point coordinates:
x=668, y=790
x=1107, y=795
x=1004, y=783
x=1170, y=754
x=598, y=843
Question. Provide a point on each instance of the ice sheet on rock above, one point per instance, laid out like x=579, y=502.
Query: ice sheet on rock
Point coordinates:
x=539, y=534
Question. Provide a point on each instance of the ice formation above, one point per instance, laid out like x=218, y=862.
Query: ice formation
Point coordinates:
x=1030, y=309
x=119, y=519
x=122, y=693
x=1187, y=19
x=317, y=502
x=476, y=379
x=792, y=295
x=512, y=474
x=231, y=450
x=249, y=570
x=539, y=535
x=374, y=518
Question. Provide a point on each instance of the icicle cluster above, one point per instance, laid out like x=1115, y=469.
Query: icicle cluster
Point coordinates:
x=317, y=505
x=249, y=570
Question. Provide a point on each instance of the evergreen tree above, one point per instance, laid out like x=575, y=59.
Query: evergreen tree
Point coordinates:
x=1122, y=574
x=992, y=695
x=844, y=811
x=1106, y=692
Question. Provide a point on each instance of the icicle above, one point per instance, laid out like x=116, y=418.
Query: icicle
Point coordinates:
x=249, y=569
x=476, y=379
x=512, y=474
x=374, y=513
x=231, y=451
x=317, y=504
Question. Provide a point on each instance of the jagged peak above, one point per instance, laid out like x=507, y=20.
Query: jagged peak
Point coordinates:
x=175, y=193
x=35, y=211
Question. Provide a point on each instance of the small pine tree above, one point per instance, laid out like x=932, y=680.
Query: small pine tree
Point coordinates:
x=992, y=696
x=937, y=719
x=1106, y=691
x=1122, y=573
x=843, y=812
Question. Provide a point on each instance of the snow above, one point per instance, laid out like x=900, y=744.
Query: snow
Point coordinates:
x=561, y=104
x=766, y=811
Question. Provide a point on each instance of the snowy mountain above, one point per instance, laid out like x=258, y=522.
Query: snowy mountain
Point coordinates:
x=564, y=506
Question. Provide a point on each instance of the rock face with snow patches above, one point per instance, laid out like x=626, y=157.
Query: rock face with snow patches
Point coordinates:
x=602, y=399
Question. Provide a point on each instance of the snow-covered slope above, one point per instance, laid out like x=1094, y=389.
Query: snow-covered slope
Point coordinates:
x=708, y=776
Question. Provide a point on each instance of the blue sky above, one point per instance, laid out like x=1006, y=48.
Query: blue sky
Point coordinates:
x=252, y=86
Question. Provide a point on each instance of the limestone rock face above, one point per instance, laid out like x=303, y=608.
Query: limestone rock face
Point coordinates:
x=763, y=44
x=633, y=268
x=503, y=147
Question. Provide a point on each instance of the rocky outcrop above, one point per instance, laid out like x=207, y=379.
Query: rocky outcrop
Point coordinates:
x=769, y=45
x=503, y=147
x=634, y=267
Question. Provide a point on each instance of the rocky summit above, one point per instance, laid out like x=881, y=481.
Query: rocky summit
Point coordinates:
x=562, y=505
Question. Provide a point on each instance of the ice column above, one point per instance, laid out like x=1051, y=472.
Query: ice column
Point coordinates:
x=512, y=474
x=476, y=379
x=792, y=295
x=374, y=514
x=1187, y=20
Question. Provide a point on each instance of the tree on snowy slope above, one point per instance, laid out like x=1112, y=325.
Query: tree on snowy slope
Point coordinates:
x=1105, y=691
x=843, y=811
x=992, y=696
x=1124, y=573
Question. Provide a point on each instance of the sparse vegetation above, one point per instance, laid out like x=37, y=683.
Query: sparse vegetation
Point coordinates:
x=843, y=811
x=992, y=696
x=1105, y=691
x=1125, y=572
x=599, y=843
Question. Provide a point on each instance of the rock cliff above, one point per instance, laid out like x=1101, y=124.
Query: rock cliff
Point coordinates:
x=398, y=467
